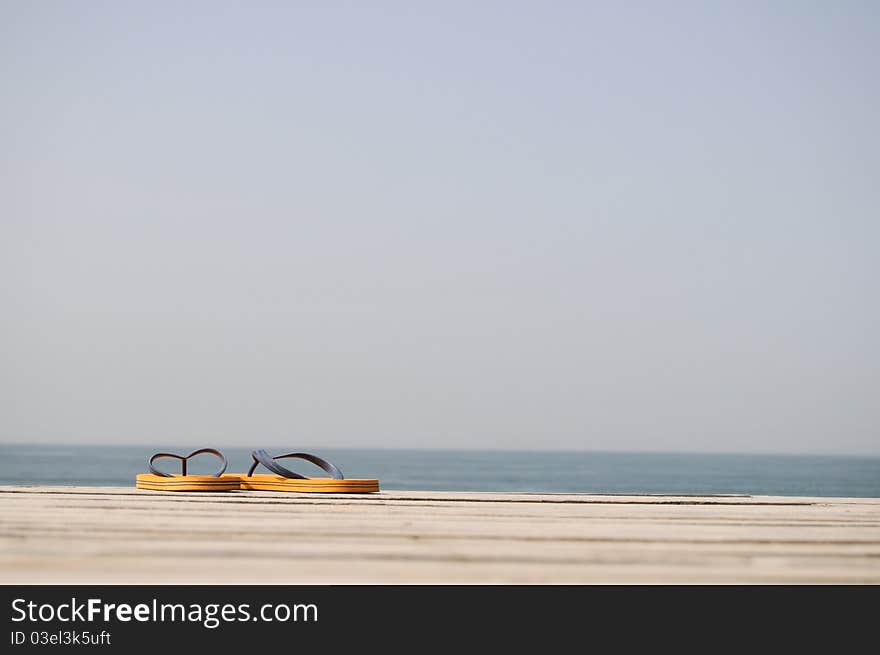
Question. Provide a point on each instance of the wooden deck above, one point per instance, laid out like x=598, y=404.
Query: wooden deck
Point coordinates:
x=124, y=535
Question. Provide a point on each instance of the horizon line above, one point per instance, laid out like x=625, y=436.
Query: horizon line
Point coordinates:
x=465, y=449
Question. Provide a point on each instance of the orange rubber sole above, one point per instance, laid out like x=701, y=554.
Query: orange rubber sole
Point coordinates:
x=265, y=482
x=226, y=482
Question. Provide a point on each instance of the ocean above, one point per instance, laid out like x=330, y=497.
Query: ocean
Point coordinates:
x=453, y=470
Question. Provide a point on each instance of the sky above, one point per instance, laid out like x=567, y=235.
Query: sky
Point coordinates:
x=526, y=225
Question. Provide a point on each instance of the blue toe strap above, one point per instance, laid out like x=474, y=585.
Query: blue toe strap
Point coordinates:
x=260, y=456
x=183, y=460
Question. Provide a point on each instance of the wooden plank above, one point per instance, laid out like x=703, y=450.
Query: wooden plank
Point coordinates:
x=123, y=535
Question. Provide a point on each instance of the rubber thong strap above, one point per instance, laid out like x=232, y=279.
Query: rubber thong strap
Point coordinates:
x=262, y=457
x=183, y=461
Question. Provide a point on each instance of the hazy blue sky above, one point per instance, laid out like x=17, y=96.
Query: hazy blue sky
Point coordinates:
x=627, y=226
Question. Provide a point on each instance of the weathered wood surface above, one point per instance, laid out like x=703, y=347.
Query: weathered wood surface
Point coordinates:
x=124, y=535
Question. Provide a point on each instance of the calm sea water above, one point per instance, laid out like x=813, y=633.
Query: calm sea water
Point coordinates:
x=562, y=472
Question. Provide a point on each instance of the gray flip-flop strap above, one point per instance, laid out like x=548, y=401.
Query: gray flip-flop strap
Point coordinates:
x=262, y=457
x=184, y=459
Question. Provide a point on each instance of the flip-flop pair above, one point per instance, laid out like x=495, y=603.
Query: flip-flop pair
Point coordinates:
x=281, y=478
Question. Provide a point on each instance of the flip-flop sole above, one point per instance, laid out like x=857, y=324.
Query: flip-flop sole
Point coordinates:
x=226, y=482
x=265, y=482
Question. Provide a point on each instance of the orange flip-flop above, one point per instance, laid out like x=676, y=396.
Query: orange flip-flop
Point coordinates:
x=157, y=480
x=283, y=479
